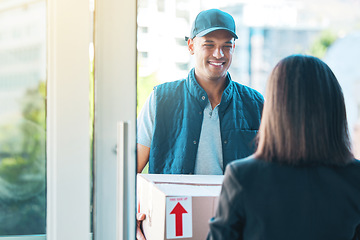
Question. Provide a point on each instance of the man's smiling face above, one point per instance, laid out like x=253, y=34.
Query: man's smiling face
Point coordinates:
x=213, y=53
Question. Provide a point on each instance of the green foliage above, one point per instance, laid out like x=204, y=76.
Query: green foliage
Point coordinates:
x=22, y=167
x=144, y=87
x=322, y=43
x=91, y=133
x=146, y=169
x=11, y=168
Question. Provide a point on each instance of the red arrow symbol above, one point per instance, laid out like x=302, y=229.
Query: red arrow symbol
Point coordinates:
x=178, y=211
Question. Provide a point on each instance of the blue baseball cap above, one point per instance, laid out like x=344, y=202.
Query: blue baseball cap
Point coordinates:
x=211, y=20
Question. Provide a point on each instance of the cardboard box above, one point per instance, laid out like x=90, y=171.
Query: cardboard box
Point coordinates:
x=177, y=206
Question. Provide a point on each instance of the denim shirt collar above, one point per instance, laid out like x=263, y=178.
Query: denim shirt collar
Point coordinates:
x=199, y=93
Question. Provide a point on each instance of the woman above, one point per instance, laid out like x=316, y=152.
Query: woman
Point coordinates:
x=302, y=182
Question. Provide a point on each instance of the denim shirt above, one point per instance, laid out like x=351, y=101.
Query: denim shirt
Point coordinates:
x=178, y=120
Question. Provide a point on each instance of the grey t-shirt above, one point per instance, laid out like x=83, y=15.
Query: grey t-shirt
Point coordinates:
x=209, y=160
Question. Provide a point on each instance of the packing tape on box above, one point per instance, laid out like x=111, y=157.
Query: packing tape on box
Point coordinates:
x=150, y=194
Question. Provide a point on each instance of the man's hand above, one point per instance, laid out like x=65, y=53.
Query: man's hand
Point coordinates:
x=139, y=233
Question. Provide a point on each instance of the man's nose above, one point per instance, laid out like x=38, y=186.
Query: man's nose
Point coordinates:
x=218, y=52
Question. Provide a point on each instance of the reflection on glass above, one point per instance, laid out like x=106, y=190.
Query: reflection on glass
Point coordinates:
x=22, y=117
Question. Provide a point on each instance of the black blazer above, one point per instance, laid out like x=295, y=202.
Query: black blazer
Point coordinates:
x=269, y=201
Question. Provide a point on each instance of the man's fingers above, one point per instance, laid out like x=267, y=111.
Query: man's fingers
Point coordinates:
x=139, y=234
x=140, y=216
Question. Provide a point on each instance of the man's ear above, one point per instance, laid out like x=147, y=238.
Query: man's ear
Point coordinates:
x=190, y=43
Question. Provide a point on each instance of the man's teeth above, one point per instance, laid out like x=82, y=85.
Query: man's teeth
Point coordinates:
x=217, y=64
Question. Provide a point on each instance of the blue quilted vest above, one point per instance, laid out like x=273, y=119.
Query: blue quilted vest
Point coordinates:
x=178, y=119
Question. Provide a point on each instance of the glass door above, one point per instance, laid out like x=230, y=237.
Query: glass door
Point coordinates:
x=22, y=117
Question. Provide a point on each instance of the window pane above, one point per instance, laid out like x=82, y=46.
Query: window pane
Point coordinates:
x=22, y=117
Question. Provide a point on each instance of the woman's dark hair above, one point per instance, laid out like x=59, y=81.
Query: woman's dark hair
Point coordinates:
x=304, y=116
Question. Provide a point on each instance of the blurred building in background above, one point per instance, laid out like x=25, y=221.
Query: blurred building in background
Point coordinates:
x=342, y=57
x=22, y=51
x=266, y=34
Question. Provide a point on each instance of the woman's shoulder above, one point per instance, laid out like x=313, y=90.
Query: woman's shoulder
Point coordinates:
x=248, y=162
x=253, y=166
x=353, y=168
x=248, y=165
x=356, y=163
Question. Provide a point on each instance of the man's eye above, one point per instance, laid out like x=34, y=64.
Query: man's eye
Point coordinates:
x=208, y=45
x=228, y=46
